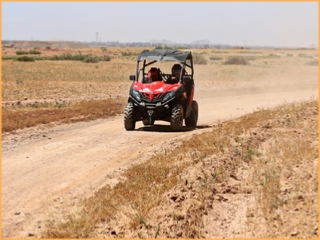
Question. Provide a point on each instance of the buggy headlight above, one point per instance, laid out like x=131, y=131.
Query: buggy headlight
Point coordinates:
x=168, y=96
x=136, y=95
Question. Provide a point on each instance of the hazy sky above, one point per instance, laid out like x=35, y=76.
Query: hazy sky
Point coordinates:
x=290, y=24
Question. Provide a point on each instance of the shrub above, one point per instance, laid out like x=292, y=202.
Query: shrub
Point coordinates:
x=88, y=58
x=91, y=59
x=214, y=58
x=94, y=59
x=236, y=61
x=273, y=55
x=34, y=51
x=163, y=47
x=312, y=63
x=9, y=57
x=303, y=55
x=106, y=58
x=25, y=59
x=21, y=52
x=19, y=81
x=128, y=54
x=251, y=52
x=199, y=59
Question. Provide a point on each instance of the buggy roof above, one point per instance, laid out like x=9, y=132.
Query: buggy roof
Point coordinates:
x=162, y=55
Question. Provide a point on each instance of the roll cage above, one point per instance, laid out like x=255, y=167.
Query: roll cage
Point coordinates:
x=149, y=57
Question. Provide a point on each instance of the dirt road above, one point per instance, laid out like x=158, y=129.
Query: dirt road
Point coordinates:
x=45, y=170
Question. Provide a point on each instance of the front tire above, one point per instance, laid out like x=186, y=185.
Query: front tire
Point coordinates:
x=176, y=117
x=192, y=120
x=129, y=122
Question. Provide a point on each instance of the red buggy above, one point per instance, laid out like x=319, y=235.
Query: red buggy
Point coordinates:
x=156, y=94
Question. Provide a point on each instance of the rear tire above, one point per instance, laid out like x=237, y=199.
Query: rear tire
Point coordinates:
x=129, y=122
x=177, y=117
x=192, y=120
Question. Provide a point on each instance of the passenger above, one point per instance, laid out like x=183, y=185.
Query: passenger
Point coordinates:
x=176, y=71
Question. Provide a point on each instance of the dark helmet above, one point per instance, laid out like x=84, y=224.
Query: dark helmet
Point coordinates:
x=176, y=70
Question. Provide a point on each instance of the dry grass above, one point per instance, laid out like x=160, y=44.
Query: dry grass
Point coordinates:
x=227, y=148
x=236, y=60
x=286, y=177
x=20, y=117
x=62, y=91
x=63, y=79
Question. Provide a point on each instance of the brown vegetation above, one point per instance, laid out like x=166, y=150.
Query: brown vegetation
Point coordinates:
x=172, y=194
x=43, y=113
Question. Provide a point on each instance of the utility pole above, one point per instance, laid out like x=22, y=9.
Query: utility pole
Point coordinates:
x=97, y=37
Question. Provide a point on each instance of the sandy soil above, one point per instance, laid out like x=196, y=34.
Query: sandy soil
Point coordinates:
x=45, y=169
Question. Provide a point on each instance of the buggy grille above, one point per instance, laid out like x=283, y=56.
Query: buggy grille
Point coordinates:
x=156, y=97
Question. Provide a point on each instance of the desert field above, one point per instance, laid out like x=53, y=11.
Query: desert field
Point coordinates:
x=249, y=169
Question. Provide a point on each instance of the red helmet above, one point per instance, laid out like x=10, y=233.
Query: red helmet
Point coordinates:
x=153, y=74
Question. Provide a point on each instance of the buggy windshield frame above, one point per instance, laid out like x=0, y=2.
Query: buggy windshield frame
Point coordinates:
x=162, y=55
x=149, y=57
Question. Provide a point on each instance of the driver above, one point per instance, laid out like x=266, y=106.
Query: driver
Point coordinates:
x=154, y=74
